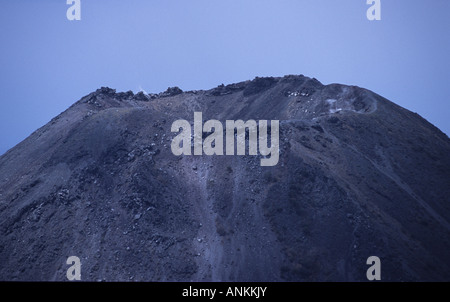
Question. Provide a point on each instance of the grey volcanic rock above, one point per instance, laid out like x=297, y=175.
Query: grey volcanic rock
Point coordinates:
x=358, y=176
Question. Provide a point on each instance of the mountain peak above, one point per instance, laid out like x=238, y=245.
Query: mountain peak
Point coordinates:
x=357, y=176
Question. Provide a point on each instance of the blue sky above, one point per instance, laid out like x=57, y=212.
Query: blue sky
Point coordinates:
x=47, y=62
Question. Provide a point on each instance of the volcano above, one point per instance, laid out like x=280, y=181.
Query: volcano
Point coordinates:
x=357, y=176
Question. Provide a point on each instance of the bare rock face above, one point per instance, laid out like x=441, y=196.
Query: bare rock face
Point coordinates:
x=358, y=176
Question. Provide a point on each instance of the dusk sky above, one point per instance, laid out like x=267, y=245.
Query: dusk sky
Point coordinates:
x=48, y=62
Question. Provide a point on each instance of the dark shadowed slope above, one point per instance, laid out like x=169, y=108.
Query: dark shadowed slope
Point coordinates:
x=357, y=176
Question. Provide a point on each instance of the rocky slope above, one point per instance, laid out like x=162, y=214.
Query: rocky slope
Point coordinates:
x=357, y=176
